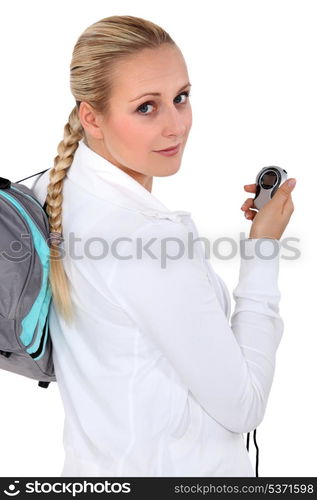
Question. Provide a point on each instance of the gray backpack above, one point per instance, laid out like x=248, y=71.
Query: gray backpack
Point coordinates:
x=25, y=292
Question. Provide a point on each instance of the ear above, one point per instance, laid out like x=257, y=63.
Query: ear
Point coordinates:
x=90, y=120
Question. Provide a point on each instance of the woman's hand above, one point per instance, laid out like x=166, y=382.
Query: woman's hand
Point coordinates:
x=272, y=219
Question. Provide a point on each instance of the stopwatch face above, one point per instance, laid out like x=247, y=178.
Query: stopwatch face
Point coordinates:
x=269, y=179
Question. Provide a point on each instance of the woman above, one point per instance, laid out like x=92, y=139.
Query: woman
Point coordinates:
x=153, y=379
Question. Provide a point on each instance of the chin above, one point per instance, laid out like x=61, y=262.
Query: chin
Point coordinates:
x=167, y=171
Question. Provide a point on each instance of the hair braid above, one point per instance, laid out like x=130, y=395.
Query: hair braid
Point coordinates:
x=73, y=132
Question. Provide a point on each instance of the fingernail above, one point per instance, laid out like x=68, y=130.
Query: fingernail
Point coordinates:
x=291, y=182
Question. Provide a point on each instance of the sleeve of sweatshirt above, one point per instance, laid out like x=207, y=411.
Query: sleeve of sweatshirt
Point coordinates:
x=166, y=291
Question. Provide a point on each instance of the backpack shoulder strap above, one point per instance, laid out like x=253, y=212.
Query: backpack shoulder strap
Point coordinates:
x=32, y=175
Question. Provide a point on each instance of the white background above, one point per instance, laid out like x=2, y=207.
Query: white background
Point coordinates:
x=252, y=65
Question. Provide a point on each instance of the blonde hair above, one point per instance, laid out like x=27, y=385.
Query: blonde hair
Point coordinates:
x=95, y=53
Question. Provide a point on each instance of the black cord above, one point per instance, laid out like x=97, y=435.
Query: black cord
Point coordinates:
x=257, y=454
x=32, y=175
x=257, y=451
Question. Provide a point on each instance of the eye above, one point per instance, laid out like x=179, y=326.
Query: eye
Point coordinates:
x=148, y=103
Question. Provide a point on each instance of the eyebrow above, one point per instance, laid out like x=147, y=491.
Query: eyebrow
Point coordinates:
x=157, y=93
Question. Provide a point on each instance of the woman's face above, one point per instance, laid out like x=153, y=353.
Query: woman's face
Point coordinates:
x=136, y=127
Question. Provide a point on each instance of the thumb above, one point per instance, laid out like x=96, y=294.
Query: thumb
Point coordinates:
x=285, y=189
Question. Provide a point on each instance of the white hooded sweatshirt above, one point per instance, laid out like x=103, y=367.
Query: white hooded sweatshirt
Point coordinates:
x=154, y=379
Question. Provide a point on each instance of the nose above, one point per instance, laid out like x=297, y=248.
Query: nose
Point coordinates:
x=174, y=123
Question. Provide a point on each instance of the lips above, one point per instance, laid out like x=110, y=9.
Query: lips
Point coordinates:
x=168, y=149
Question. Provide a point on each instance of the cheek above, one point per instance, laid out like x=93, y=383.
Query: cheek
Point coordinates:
x=130, y=132
x=189, y=118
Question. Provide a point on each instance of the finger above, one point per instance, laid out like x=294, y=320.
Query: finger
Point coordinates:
x=247, y=204
x=283, y=192
x=289, y=206
x=250, y=214
x=250, y=188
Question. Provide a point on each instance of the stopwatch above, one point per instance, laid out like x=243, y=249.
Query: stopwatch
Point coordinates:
x=268, y=181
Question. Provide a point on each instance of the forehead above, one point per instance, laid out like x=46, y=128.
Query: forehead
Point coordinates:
x=150, y=70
